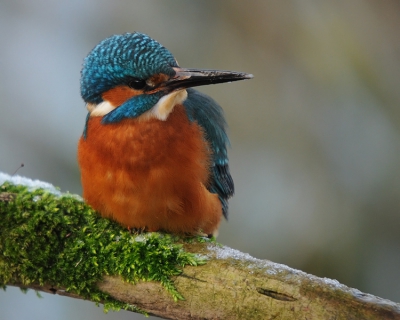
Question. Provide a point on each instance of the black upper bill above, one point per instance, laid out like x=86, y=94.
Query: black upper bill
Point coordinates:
x=186, y=78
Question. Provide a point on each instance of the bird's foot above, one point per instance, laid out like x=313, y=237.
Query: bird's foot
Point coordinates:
x=136, y=230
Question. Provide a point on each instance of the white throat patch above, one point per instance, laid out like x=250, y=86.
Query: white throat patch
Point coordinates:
x=165, y=105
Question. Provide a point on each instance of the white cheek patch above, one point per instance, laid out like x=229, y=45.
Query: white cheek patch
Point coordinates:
x=165, y=105
x=100, y=109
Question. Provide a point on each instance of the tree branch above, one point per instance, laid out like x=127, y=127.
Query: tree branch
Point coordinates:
x=233, y=285
x=230, y=285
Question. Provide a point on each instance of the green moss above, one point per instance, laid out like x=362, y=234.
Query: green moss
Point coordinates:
x=46, y=239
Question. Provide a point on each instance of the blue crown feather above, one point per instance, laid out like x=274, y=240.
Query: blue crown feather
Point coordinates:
x=120, y=56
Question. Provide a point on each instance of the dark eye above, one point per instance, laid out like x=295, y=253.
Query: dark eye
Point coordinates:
x=136, y=84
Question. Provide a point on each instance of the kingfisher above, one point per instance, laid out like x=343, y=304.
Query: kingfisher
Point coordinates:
x=153, y=153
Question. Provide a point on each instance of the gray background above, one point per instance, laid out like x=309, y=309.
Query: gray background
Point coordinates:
x=315, y=135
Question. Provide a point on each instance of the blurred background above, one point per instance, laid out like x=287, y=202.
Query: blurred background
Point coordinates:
x=315, y=135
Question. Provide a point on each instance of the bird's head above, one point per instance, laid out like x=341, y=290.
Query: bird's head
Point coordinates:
x=132, y=75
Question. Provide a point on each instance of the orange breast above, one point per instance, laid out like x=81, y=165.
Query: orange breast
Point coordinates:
x=150, y=174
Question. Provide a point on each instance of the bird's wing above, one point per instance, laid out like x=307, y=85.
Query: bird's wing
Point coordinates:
x=209, y=115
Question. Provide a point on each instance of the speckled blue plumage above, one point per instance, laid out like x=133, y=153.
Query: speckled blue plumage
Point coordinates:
x=120, y=56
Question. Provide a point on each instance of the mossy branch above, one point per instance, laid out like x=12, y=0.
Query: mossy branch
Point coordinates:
x=53, y=242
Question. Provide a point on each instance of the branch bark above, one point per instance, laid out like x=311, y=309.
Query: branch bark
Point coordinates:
x=234, y=285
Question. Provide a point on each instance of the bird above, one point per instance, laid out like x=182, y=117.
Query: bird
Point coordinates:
x=153, y=153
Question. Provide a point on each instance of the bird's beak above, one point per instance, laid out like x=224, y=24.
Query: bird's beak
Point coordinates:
x=186, y=78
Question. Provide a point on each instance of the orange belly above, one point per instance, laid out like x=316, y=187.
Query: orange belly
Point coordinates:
x=150, y=174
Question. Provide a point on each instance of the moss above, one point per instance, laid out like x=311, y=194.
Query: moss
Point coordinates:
x=61, y=241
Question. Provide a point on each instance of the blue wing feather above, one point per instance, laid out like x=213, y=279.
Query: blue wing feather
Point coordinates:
x=209, y=115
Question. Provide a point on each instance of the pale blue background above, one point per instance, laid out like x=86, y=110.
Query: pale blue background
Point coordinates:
x=315, y=135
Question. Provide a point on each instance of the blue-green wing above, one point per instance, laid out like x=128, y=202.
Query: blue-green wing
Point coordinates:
x=209, y=115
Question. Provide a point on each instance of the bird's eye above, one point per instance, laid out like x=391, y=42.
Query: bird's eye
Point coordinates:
x=136, y=84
